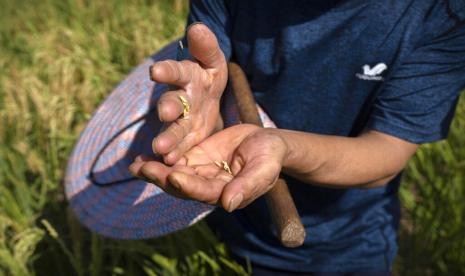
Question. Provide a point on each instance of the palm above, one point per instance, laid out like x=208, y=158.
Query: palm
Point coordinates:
x=254, y=157
x=204, y=102
x=205, y=163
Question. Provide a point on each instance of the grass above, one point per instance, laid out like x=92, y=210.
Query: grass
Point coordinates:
x=433, y=193
x=58, y=60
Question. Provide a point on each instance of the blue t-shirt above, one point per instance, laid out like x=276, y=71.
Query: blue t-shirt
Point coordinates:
x=337, y=67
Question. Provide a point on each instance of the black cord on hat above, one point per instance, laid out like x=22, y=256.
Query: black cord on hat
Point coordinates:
x=91, y=175
x=182, y=53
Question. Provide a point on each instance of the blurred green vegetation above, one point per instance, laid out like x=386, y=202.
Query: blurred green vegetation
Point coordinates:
x=58, y=60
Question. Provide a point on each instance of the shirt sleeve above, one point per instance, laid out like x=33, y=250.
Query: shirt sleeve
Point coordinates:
x=418, y=101
x=215, y=15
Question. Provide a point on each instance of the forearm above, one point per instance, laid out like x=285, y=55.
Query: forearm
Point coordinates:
x=370, y=160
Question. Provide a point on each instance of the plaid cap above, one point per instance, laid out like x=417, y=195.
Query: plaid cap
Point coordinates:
x=102, y=193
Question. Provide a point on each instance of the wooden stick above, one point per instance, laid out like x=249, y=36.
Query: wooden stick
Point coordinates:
x=282, y=209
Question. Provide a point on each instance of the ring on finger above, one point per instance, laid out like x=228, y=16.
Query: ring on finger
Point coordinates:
x=185, y=107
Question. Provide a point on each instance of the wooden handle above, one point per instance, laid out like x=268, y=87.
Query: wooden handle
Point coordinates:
x=282, y=209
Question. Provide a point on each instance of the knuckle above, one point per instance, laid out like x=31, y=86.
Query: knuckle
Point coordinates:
x=176, y=130
x=180, y=127
x=174, y=69
x=146, y=174
x=187, y=68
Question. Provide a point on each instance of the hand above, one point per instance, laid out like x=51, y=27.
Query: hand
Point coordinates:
x=255, y=156
x=201, y=83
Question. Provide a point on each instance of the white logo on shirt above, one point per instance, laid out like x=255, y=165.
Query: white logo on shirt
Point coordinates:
x=372, y=73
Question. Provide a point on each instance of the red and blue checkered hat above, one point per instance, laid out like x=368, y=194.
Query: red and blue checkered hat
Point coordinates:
x=102, y=192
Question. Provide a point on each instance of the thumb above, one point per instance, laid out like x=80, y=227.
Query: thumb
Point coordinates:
x=204, y=46
x=256, y=178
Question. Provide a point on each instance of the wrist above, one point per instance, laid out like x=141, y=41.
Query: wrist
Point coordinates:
x=281, y=142
x=298, y=147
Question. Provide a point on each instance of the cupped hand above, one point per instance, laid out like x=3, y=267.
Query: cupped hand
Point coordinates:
x=255, y=156
x=201, y=83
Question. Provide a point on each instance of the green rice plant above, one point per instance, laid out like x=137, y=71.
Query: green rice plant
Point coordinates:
x=433, y=193
x=58, y=60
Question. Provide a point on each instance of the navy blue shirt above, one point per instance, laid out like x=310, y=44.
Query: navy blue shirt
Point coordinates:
x=336, y=68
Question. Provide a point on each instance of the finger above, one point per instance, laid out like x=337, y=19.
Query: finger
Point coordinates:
x=139, y=161
x=135, y=167
x=135, y=170
x=154, y=173
x=169, y=138
x=180, y=149
x=157, y=173
x=255, y=178
x=143, y=158
x=169, y=106
x=204, y=46
x=207, y=171
x=178, y=73
x=197, y=187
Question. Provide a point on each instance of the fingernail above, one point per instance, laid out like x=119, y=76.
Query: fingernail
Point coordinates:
x=193, y=24
x=154, y=143
x=138, y=159
x=235, y=202
x=150, y=72
x=159, y=107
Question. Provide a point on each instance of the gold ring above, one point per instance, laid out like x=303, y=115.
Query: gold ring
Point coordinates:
x=185, y=107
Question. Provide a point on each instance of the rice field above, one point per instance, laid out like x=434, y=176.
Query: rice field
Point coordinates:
x=58, y=61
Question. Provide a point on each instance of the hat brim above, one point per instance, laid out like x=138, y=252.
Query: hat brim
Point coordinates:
x=121, y=206
x=102, y=193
